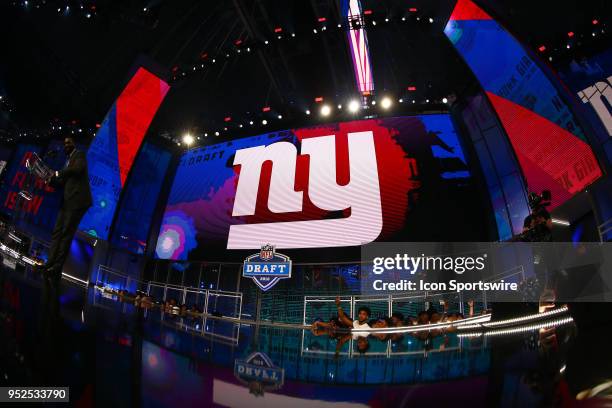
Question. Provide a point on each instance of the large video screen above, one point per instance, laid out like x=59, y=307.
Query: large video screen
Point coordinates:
x=17, y=178
x=112, y=152
x=591, y=81
x=140, y=198
x=318, y=190
x=39, y=214
x=550, y=145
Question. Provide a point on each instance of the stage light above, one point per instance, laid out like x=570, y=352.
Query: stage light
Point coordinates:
x=386, y=102
x=264, y=122
x=266, y=42
x=88, y=15
x=308, y=111
x=570, y=34
x=560, y=222
x=339, y=106
x=280, y=116
x=426, y=100
x=444, y=100
x=339, y=25
x=568, y=46
x=314, y=30
x=251, y=122
x=431, y=20
x=144, y=9
x=240, y=125
x=595, y=21
x=403, y=18
x=373, y=102
x=325, y=110
x=216, y=133
x=293, y=34
x=353, y=106
x=386, y=20
x=401, y=100
x=374, y=22
x=324, y=28
x=542, y=48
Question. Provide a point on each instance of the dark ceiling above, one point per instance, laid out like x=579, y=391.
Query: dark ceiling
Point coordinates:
x=62, y=64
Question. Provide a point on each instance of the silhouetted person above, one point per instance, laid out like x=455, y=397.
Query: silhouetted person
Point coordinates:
x=76, y=200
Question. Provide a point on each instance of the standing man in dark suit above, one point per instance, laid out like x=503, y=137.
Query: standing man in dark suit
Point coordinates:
x=77, y=199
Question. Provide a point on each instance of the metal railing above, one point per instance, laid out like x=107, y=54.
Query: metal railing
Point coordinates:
x=208, y=295
x=389, y=301
x=604, y=228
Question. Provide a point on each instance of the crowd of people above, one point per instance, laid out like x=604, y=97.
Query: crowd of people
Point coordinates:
x=144, y=301
x=338, y=326
x=397, y=319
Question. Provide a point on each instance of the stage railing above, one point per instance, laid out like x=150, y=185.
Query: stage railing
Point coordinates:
x=212, y=301
x=605, y=229
x=289, y=308
x=113, y=278
x=386, y=305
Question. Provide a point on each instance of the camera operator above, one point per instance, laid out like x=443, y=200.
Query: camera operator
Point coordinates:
x=537, y=226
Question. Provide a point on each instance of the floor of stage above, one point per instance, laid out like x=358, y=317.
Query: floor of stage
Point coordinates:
x=113, y=354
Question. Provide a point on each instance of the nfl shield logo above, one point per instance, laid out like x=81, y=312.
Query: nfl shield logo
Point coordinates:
x=259, y=373
x=267, y=252
x=267, y=267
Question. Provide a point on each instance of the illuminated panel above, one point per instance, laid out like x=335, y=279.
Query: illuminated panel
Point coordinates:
x=322, y=188
x=112, y=152
x=549, y=144
x=591, y=81
x=134, y=215
x=16, y=179
x=358, y=44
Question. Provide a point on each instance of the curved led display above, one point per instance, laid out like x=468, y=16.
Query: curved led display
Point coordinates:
x=328, y=186
x=112, y=152
x=550, y=145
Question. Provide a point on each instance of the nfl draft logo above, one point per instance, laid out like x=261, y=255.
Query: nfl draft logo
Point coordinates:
x=267, y=267
x=259, y=373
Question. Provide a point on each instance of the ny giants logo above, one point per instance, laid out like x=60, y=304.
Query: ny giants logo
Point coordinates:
x=600, y=98
x=361, y=194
